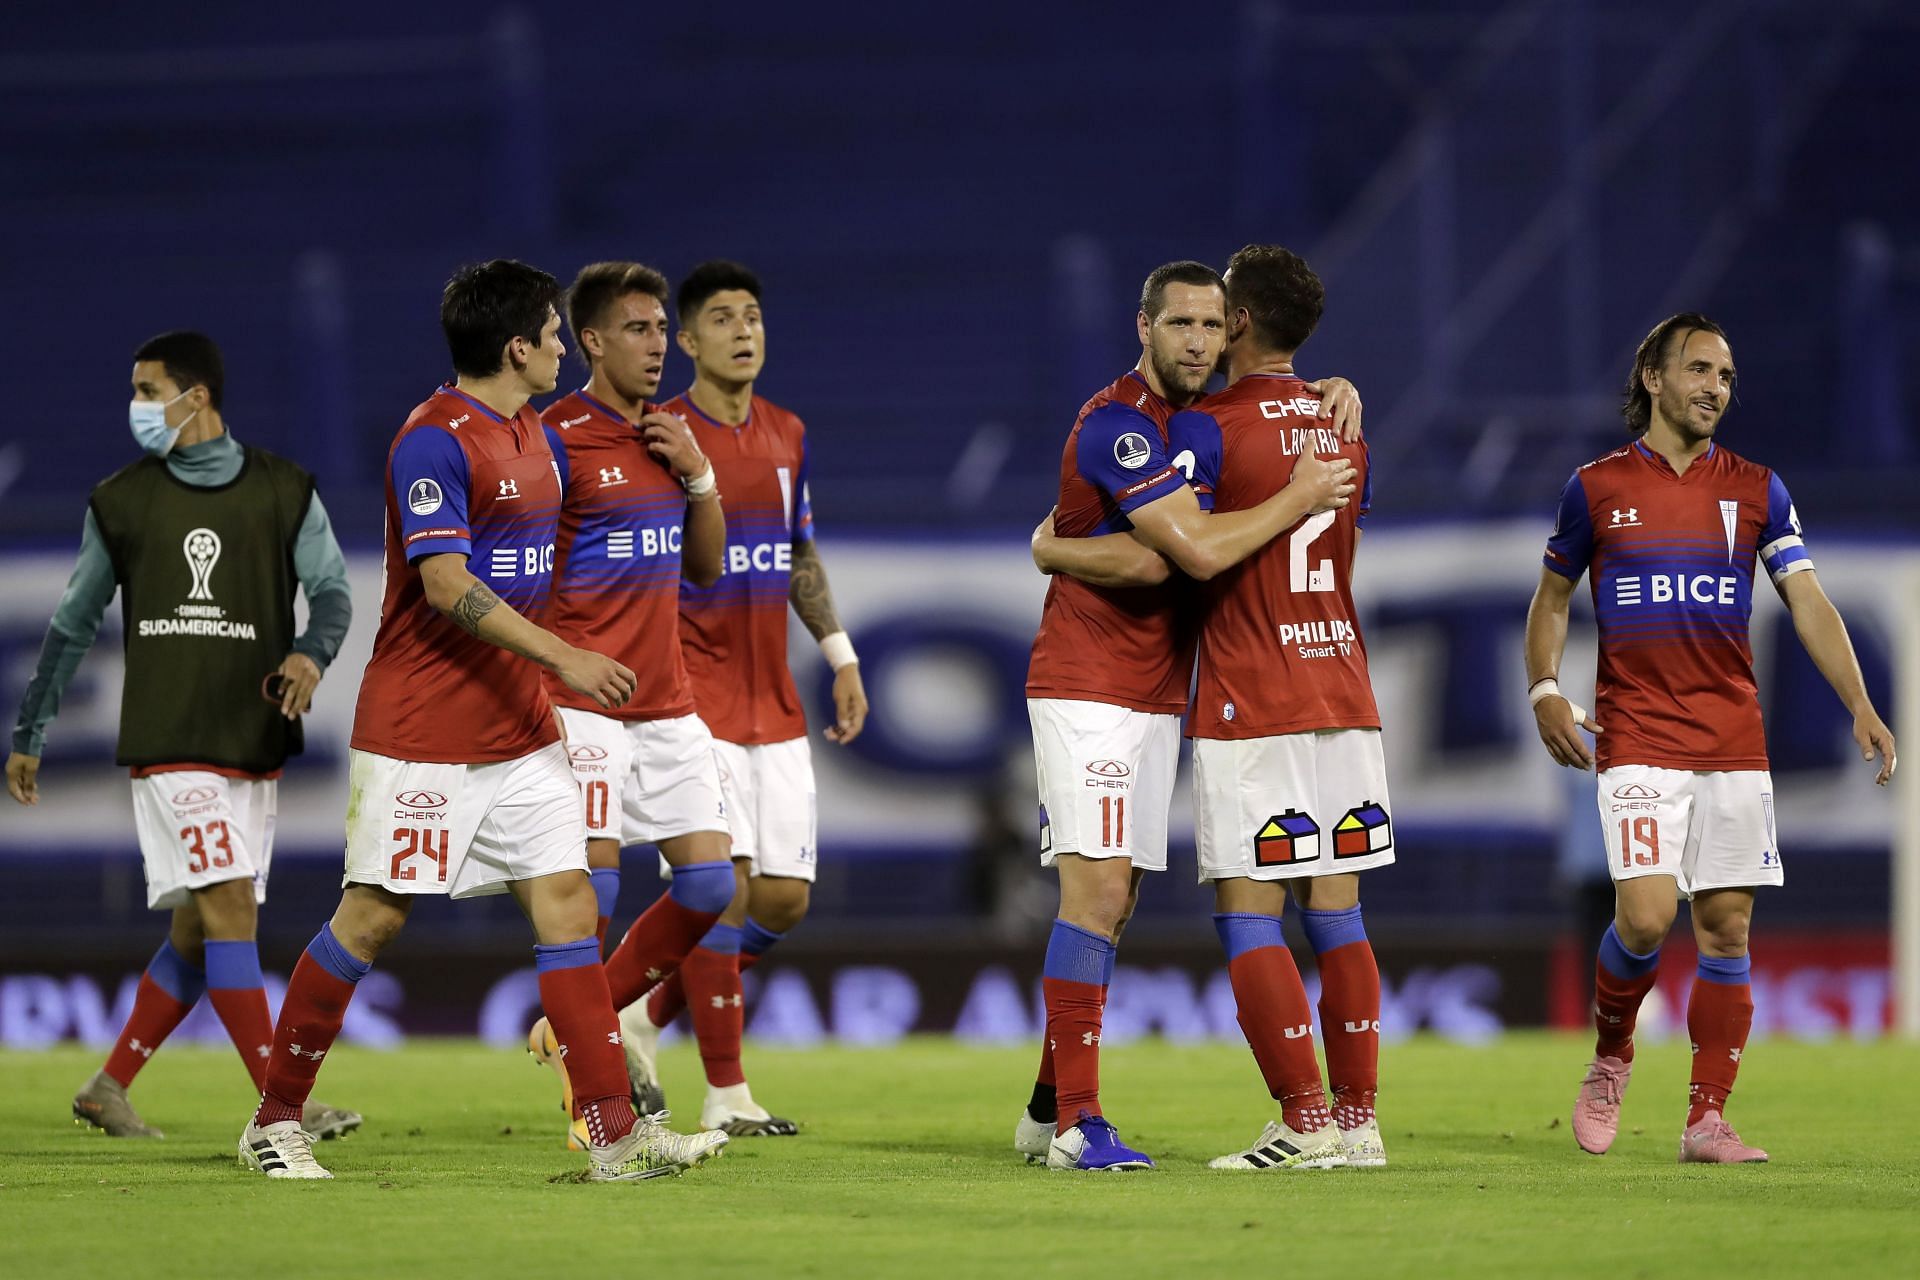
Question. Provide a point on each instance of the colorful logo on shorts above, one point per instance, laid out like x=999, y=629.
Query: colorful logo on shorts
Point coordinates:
x=1635, y=791
x=195, y=795
x=1365, y=830
x=421, y=800
x=1286, y=838
x=1109, y=769
x=588, y=752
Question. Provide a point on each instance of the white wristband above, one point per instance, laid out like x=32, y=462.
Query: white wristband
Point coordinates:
x=837, y=649
x=1544, y=688
x=703, y=484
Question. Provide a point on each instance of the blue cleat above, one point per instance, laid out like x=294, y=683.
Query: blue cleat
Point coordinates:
x=1092, y=1145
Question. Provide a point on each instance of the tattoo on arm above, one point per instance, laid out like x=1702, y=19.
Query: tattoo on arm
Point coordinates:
x=473, y=606
x=809, y=594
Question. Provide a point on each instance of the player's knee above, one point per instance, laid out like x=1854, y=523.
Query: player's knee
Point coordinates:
x=226, y=910
x=369, y=918
x=779, y=903
x=1642, y=926
x=1725, y=937
x=703, y=890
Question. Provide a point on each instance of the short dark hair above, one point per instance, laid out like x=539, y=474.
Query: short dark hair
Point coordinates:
x=1280, y=292
x=488, y=305
x=191, y=360
x=1636, y=402
x=601, y=284
x=717, y=275
x=1153, y=294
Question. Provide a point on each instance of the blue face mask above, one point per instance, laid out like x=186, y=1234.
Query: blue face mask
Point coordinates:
x=148, y=419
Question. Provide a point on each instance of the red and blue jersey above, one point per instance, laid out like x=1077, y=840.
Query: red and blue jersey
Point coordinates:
x=1280, y=645
x=1130, y=646
x=461, y=480
x=617, y=564
x=1671, y=562
x=734, y=633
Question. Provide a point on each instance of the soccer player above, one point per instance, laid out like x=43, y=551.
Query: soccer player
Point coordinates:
x=734, y=633
x=632, y=480
x=1109, y=675
x=207, y=540
x=459, y=782
x=1668, y=530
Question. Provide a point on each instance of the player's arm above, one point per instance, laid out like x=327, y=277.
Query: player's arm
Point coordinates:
x=703, y=548
x=322, y=571
x=1106, y=560
x=1569, y=551
x=812, y=600
x=1203, y=546
x=76, y=620
x=1824, y=635
x=471, y=605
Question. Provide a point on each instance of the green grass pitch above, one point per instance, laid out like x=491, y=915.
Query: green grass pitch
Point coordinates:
x=904, y=1166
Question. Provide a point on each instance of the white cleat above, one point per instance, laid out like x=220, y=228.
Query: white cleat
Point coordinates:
x=641, y=1040
x=1031, y=1137
x=1279, y=1147
x=651, y=1150
x=1363, y=1146
x=282, y=1150
x=731, y=1109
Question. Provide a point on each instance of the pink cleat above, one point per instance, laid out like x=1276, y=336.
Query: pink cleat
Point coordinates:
x=1711, y=1140
x=1596, y=1112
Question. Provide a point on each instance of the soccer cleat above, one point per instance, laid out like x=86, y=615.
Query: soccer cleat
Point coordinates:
x=651, y=1150
x=102, y=1103
x=1031, y=1137
x=1596, y=1112
x=577, y=1139
x=1093, y=1146
x=1711, y=1140
x=545, y=1049
x=641, y=1040
x=325, y=1122
x=732, y=1110
x=1363, y=1147
x=1279, y=1147
x=282, y=1150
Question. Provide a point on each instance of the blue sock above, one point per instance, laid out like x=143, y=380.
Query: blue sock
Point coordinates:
x=703, y=886
x=1244, y=931
x=336, y=959
x=565, y=955
x=606, y=887
x=173, y=975
x=1622, y=963
x=1077, y=955
x=1728, y=971
x=724, y=939
x=756, y=939
x=233, y=966
x=1327, y=930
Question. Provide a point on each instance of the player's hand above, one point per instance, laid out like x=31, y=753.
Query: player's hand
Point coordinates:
x=1554, y=716
x=849, y=705
x=599, y=677
x=23, y=777
x=671, y=440
x=1042, y=537
x=1869, y=730
x=300, y=676
x=1329, y=483
x=1340, y=401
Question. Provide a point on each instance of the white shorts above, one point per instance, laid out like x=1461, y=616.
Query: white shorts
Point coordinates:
x=772, y=809
x=199, y=828
x=1299, y=804
x=461, y=829
x=1706, y=830
x=1106, y=780
x=644, y=781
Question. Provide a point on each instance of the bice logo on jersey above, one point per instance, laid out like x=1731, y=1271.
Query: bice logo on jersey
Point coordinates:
x=1132, y=451
x=508, y=489
x=1287, y=838
x=517, y=562
x=611, y=476
x=1365, y=830
x=1628, y=519
x=1683, y=588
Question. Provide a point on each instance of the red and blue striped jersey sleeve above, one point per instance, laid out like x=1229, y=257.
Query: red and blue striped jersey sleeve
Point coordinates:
x=1193, y=437
x=1570, y=549
x=429, y=476
x=1119, y=451
x=1781, y=548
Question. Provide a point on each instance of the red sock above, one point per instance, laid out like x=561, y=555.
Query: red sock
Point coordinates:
x=1074, y=1012
x=1350, y=1022
x=669, y=999
x=600, y=929
x=654, y=947
x=1278, y=1024
x=243, y=1012
x=711, y=980
x=1616, y=1011
x=1719, y=1016
x=310, y=1018
x=155, y=1014
x=580, y=1011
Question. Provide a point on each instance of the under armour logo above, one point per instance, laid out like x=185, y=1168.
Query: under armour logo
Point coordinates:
x=1734, y=1053
x=721, y=1002
x=144, y=1050
x=312, y=1054
x=264, y=1050
x=613, y=1037
x=1625, y=519
x=1364, y=1025
x=654, y=975
x=1299, y=1032
x=1089, y=1038
x=611, y=476
x=509, y=488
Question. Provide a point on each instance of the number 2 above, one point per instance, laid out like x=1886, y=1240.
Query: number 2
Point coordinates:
x=1647, y=832
x=1300, y=577
x=418, y=840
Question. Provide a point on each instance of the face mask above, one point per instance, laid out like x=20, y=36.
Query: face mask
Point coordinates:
x=148, y=419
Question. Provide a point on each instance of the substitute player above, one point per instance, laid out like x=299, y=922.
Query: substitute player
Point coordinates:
x=734, y=634
x=1669, y=529
x=459, y=781
x=1109, y=676
x=634, y=485
x=207, y=540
